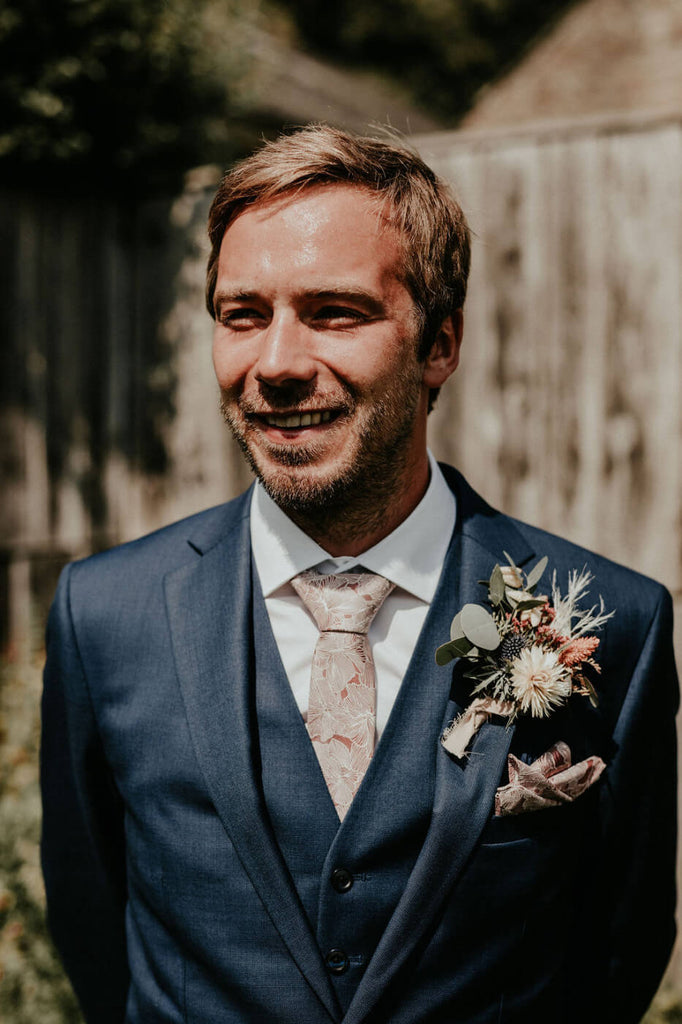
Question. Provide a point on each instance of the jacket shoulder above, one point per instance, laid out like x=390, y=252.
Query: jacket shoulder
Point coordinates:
x=139, y=565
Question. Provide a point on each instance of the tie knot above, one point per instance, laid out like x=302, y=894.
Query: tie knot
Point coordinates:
x=343, y=602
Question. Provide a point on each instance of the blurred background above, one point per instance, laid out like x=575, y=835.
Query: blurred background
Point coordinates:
x=560, y=127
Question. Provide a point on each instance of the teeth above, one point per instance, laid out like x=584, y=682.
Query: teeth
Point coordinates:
x=306, y=419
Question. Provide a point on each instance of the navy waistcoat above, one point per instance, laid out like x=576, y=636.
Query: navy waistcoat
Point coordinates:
x=381, y=836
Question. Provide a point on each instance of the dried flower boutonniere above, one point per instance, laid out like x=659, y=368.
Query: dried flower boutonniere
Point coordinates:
x=528, y=654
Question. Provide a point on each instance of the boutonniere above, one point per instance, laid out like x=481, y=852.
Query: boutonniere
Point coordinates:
x=526, y=654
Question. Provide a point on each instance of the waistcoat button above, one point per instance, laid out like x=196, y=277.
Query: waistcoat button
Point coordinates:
x=342, y=880
x=337, y=961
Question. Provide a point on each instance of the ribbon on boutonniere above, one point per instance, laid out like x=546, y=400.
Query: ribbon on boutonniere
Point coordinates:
x=526, y=653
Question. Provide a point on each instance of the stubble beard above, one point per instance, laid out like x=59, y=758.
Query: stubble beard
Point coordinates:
x=354, y=498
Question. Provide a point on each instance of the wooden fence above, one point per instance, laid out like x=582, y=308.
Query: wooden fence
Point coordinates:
x=109, y=423
x=565, y=411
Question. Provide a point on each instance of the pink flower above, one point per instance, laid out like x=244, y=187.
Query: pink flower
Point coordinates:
x=578, y=650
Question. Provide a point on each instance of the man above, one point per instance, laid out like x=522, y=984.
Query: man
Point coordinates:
x=222, y=842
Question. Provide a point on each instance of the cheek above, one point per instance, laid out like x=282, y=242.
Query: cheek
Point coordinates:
x=394, y=373
x=230, y=363
x=371, y=368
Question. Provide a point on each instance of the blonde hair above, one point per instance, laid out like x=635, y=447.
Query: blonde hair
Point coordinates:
x=420, y=205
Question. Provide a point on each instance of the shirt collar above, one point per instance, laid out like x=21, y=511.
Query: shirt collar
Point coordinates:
x=411, y=556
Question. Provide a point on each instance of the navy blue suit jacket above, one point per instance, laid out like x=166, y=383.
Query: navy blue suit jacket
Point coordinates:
x=169, y=897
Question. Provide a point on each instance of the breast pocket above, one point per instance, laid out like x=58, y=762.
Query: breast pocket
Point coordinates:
x=536, y=858
x=534, y=825
x=568, y=823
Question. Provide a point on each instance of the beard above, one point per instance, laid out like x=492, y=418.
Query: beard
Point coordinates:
x=351, y=497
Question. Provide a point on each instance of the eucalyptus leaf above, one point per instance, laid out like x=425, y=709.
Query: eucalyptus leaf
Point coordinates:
x=458, y=648
x=535, y=575
x=462, y=647
x=496, y=586
x=444, y=655
x=479, y=627
x=456, y=630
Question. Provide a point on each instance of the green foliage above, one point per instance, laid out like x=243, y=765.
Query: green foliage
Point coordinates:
x=32, y=984
x=535, y=575
x=496, y=587
x=111, y=90
x=135, y=92
x=442, y=50
x=461, y=647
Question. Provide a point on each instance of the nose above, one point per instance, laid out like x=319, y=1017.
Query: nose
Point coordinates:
x=285, y=353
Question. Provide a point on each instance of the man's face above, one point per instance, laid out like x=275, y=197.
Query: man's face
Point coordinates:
x=315, y=346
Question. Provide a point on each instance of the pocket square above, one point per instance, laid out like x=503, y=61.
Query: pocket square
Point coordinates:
x=551, y=780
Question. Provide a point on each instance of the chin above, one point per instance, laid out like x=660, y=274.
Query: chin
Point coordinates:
x=306, y=487
x=302, y=477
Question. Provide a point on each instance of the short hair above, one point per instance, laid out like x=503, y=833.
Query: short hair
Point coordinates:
x=436, y=237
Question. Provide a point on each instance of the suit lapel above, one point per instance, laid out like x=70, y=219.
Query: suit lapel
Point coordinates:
x=464, y=791
x=209, y=608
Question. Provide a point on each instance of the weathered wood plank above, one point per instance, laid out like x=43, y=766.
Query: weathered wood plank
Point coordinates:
x=567, y=410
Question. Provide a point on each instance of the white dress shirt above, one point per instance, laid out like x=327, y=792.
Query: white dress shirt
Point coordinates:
x=411, y=557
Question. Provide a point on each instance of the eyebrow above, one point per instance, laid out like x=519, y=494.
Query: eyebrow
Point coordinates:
x=236, y=296
x=339, y=293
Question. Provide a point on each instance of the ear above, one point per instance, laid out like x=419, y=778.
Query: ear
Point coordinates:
x=443, y=359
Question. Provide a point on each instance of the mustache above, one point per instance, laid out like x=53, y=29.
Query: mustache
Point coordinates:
x=294, y=397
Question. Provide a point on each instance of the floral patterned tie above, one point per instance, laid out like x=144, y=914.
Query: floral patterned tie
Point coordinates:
x=341, y=707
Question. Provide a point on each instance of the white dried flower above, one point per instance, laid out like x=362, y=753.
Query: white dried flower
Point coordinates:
x=516, y=596
x=533, y=615
x=571, y=620
x=511, y=576
x=539, y=682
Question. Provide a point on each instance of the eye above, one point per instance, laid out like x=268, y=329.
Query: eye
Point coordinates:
x=338, y=316
x=243, y=318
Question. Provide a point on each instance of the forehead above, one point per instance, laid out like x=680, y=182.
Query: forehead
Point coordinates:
x=340, y=229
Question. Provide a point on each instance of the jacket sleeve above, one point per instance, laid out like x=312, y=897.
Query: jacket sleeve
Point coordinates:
x=82, y=850
x=635, y=881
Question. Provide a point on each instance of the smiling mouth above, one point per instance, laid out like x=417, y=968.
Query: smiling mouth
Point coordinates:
x=296, y=420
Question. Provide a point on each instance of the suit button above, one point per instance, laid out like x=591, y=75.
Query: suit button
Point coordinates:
x=337, y=961
x=342, y=880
